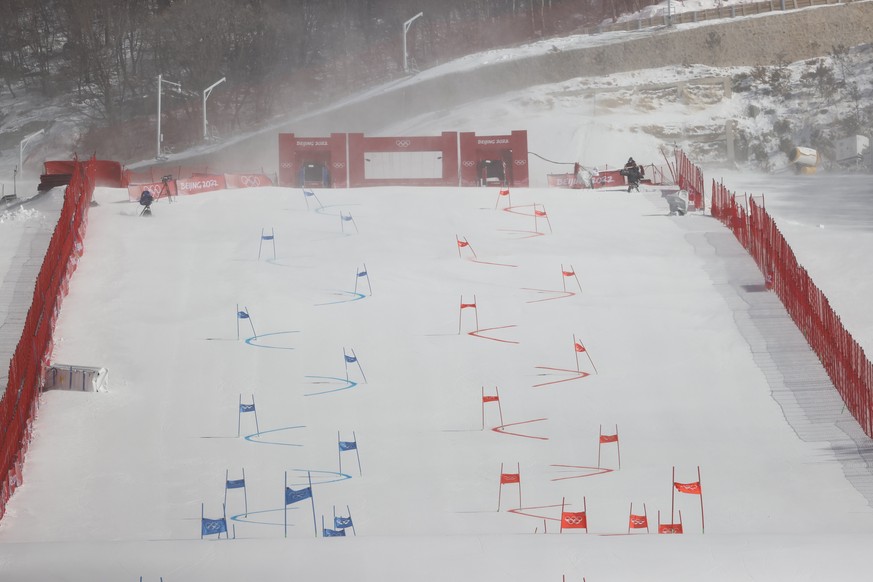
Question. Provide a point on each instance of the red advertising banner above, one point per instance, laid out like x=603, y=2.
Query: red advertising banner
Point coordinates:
x=198, y=184
x=247, y=180
x=561, y=180
x=156, y=188
x=608, y=178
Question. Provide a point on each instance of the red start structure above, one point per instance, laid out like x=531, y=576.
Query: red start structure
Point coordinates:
x=354, y=160
x=494, y=160
x=313, y=161
x=403, y=161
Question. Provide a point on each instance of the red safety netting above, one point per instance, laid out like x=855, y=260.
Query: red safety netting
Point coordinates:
x=842, y=357
x=29, y=362
x=690, y=178
x=154, y=174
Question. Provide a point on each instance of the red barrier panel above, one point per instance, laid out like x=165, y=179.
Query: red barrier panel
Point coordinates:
x=607, y=179
x=247, y=180
x=19, y=403
x=133, y=177
x=155, y=173
x=106, y=172
x=134, y=191
x=198, y=184
x=561, y=180
x=843, y=358
x=59, y=166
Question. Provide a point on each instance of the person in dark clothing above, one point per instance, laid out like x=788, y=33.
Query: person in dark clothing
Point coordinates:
x=633, y=173
x=145, y=200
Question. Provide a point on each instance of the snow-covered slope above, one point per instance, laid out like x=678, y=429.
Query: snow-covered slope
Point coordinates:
x=114, y=481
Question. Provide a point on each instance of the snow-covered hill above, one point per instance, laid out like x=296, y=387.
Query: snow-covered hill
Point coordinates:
x=663, y=310
x=771, y=109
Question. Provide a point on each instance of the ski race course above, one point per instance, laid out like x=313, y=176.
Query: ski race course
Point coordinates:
x=463, y=385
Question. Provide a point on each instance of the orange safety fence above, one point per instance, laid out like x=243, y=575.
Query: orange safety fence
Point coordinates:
x=842, y=357
x=27, y=367
x=690, y=178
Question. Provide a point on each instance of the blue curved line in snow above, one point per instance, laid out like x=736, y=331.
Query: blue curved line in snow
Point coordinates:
x=349, y=384
x=243, y=517
x=321, y=477
x=250, y=341
x=323, y=209
x=251, y=438
x=356, y=297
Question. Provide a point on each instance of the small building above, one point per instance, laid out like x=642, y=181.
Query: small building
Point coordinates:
x=852, y=148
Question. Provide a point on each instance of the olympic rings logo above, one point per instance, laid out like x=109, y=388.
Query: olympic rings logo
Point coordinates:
x=469, y=164
x=286, y=165
x=249, y=181
x=403, y=143
x=520, y=162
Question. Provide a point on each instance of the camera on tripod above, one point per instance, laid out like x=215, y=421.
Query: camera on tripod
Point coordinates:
x=166, y=187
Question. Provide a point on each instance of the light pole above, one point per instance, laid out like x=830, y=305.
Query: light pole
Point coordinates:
x=406, y=26
x=206, y=93
x=160, y=81
x=21, y=149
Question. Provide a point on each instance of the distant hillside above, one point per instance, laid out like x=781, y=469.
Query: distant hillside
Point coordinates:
x=770, y=40
x=767, y=40
x=100, y=60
